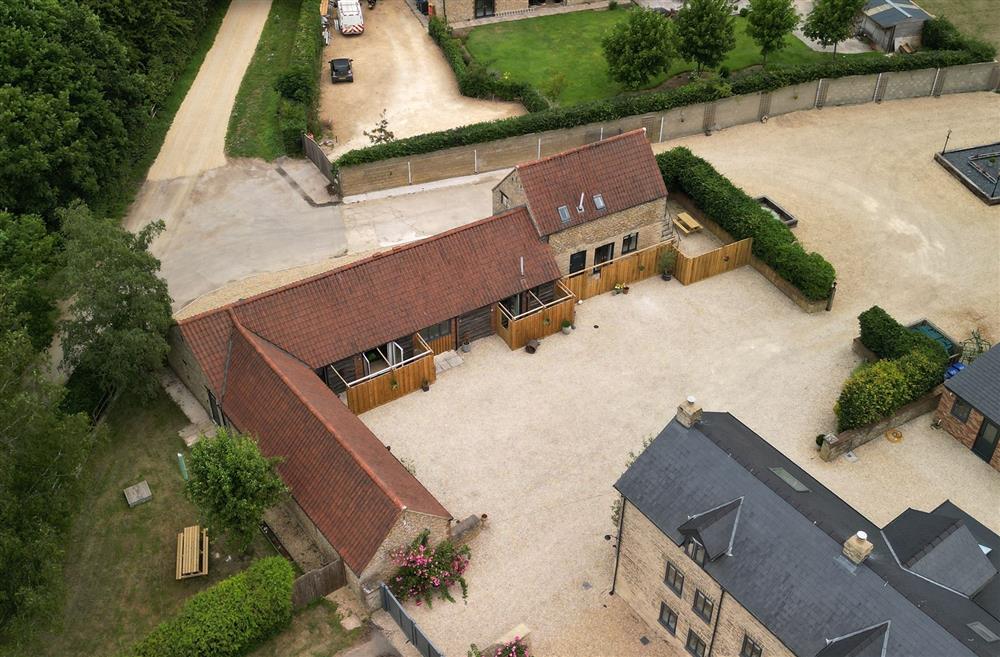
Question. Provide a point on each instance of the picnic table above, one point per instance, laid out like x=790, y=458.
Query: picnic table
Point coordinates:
x=686, y=223
x=192, y=552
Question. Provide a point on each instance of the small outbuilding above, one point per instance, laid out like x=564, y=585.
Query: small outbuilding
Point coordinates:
x=892, y=23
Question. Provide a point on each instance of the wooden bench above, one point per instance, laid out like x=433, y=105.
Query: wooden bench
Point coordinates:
x=192, y=552
x=686, y=223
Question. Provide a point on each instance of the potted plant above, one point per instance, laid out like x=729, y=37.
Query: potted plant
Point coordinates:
x=625, y=289
x=567, y=326
x=393, y=384
x=668, y=260
x=465, y=344
x=617, y=289
x=425, y=385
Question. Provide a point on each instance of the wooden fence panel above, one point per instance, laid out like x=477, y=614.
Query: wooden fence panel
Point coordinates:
x=541, y=323
x=625, y=270
x=691, y=269
x=379, y=390
x=317, y=583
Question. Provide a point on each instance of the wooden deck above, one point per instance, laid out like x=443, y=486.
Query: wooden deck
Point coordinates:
x=394, y=382
x=538, y=323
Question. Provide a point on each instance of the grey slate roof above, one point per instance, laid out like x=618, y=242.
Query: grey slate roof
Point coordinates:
x=715, y=529
x=869, y=642
x=979, y=384
x=892, y=12
x=786, y=566
x=941, y=549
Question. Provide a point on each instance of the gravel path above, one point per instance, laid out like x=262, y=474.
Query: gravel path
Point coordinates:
x=536, y=441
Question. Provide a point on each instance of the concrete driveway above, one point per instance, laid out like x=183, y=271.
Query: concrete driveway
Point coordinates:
x=536, y=441
x=399, y=69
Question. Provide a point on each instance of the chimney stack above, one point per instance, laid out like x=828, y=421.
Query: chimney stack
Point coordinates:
x=689, y=413
x=857, y=547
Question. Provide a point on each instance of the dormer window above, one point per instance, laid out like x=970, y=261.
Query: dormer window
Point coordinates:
x=564, y=213
x=504, y=200
x=599, y=202
x=696, y=551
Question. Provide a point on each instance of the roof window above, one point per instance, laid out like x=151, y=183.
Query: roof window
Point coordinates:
x=564, y=213
x=983, y=632
x=789, y=479
x=599, y=202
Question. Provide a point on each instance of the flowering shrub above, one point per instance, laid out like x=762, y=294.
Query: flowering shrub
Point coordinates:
x=426, y=571
x=515, y=648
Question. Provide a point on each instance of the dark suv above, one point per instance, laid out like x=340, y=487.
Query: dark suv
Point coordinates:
x=341, y=70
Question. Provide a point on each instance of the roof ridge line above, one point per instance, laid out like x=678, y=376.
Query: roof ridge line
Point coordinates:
x=360, y=261
x=577, y=149
x=314, y=411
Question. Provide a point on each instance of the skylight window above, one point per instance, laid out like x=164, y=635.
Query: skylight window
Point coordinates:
x=599, y=202
x=984, y=632
x=564, y=213
x=787, y=477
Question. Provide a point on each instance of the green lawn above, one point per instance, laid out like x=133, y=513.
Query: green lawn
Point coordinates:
x=315, y=632
x=979, y=18
x=253, y=125
x=538, y=50
x=119, y=572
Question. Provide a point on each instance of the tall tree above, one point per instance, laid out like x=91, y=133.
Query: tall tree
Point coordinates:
x=639, y=48
x=233, y=484
x=41, y=454
x=119, y=307
x=28, y=258
x=706, y=29
x=769, y=22
x=832, y=21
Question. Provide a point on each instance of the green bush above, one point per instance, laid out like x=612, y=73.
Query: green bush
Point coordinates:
x=299, y=83
x=228, y=619
x=881, y=333
x=873, y=392
x=742, y=217
x=475, y=81
x=940, y=34
x=541, y=119
x=296, y=84
x=293, y=120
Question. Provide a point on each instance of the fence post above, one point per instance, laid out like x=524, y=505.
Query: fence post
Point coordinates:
x=878, y=83
x=539, y=155
x=409, y=173
x=662, y=118
x=829, y=299
x=601, y=138
x=475, y=160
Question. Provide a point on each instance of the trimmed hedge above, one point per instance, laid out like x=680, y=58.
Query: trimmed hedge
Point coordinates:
x=228, y=619
x=912, y=364
x=622, y=106
x=742, y=217
x=299, y=83
x=940, y=34
x=475, y=81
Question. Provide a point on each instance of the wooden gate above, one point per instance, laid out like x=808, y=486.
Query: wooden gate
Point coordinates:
x=691, y=269
x=318, y=157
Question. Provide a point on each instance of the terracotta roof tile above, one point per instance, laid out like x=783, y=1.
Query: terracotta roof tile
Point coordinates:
x=621, y=169
x=343, y=477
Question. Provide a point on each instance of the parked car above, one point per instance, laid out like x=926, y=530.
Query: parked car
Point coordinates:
x=341, y=70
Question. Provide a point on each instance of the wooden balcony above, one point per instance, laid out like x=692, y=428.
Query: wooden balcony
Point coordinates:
x=546, y=319
x=394, y=381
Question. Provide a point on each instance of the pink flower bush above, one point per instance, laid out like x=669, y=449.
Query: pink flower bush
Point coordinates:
x=424, y=571
x=515, y=648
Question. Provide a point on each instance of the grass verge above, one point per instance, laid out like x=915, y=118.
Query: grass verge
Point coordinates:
x=315, y=632
x=978, y=18
x=567, y=47
x=253, y=126
x=117, y=201
x=119, y=574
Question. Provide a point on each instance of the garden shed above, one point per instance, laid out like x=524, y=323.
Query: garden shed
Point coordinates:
x=892, y=23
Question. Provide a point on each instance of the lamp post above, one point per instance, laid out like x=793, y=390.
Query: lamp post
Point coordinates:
x=947, y=137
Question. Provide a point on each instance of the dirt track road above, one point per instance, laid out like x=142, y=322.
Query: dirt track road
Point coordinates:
x=197, y=138
x=398, y=68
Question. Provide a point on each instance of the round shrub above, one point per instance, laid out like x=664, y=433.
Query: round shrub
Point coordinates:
x=873, y=392
x=296, y=84
x=882, y=334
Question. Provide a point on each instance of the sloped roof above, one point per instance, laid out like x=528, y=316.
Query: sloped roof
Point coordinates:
x=940, y=548
x=715, y=529
x=869, y=642
x=979, y=384
x=622, y=169
x=786, y=566
x=342, y=312
x=351, y=487
x=892, y=12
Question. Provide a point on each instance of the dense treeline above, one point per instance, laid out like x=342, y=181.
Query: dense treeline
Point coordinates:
x=81, y=83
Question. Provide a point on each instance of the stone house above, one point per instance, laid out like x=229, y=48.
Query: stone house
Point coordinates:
x=464, y=13
x=594, y=203
x=726, y=547
x=969, y=408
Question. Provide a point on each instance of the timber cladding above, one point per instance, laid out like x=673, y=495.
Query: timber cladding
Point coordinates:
x=391, y=385
x=625, y=270
x=538, y=324
x=691, y=269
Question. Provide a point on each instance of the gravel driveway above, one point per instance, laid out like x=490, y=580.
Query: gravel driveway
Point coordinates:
x=536, y=441
x=399, y=69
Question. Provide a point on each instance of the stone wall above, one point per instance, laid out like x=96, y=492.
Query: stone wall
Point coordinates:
x=665, y=126
x=834, y=446
x=511, y=188
x=735, y=622
x=458, y=11
x=648, y=219
x=964, y=432
x=183, y=362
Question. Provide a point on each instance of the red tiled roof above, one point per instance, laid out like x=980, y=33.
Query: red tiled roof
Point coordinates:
x=621, y=169
x=362, y=305
x=351, y=487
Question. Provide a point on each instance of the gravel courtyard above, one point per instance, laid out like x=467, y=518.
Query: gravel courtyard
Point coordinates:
x=536, y=441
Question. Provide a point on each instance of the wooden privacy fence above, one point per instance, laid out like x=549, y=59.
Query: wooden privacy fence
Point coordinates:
x=624, y=269
x=537, y=323
x=691, y=269
x=383, y=387
x=317, y=583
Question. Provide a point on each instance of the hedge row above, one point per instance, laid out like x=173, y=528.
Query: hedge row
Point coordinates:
x=912, y=364
x=228, y=619
x=623, y=106
x=299, y=83
x=742, y=217
x=474, y=80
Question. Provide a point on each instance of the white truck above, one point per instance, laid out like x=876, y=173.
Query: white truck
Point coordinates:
x=349, y=16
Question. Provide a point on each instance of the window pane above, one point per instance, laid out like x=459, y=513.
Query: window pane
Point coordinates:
x=960, y=410
x=598, y=201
